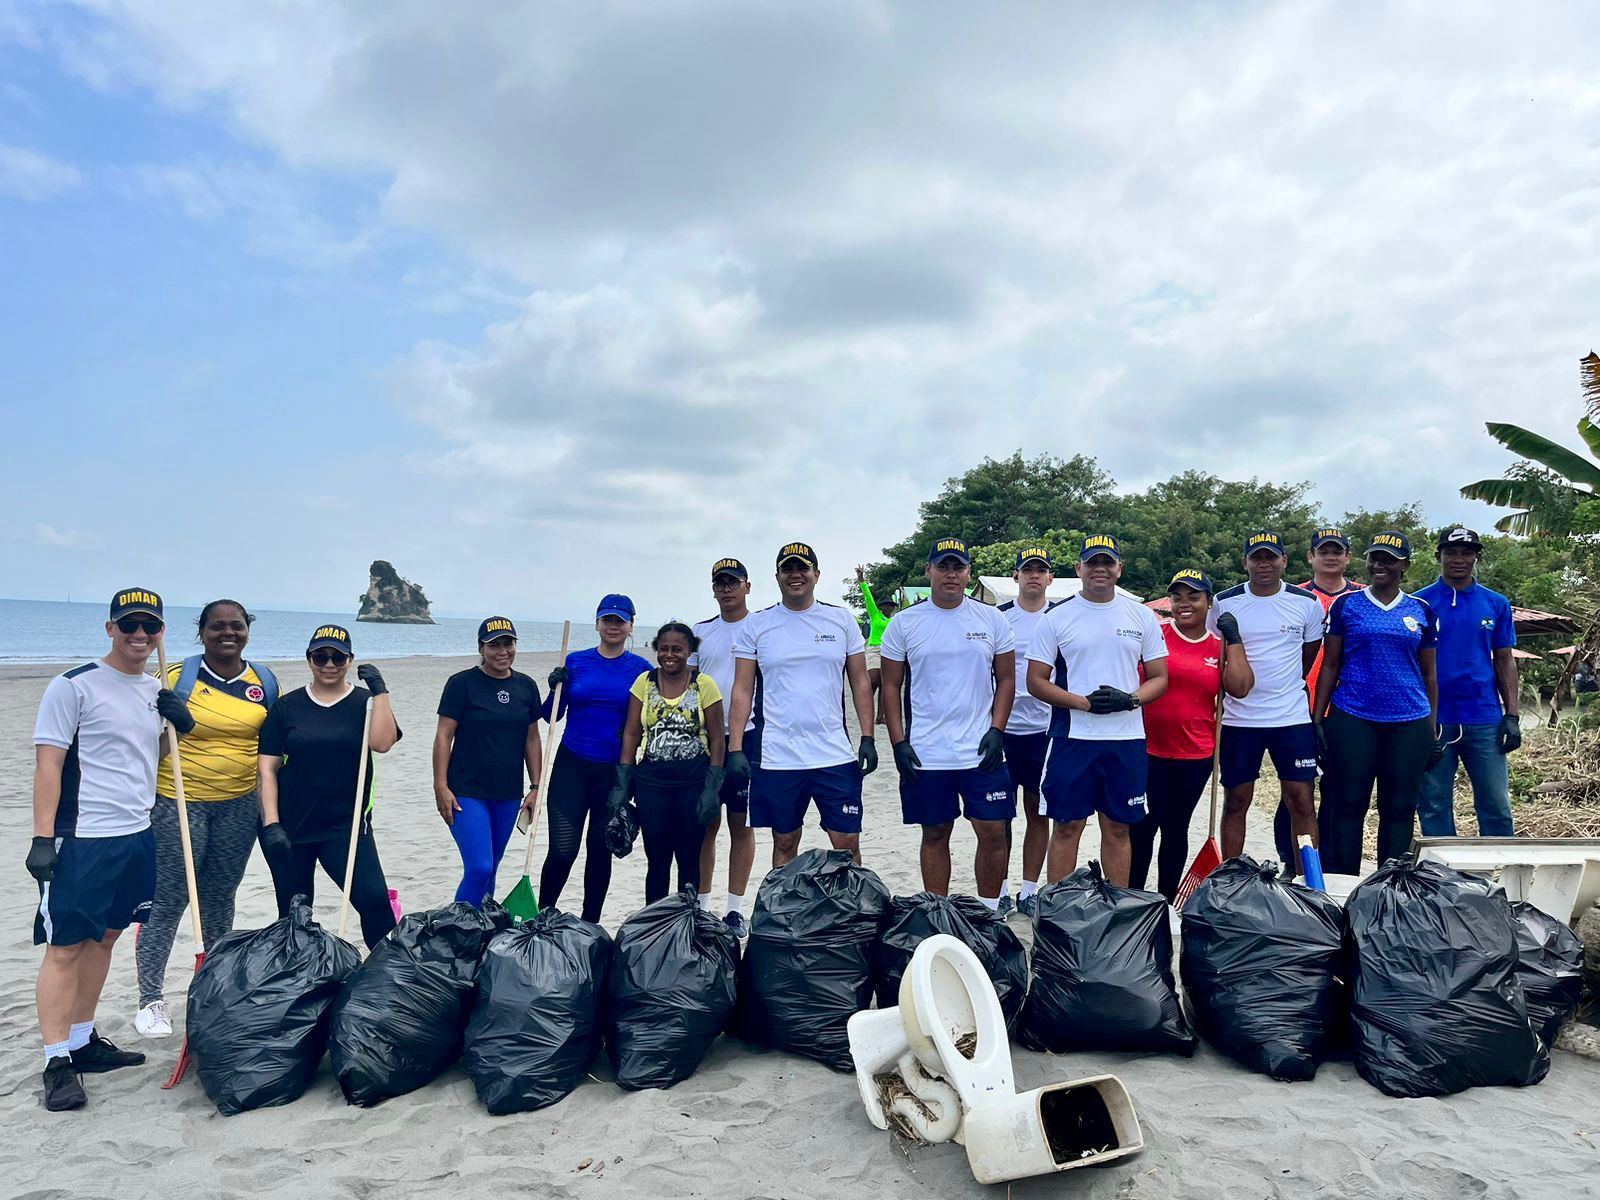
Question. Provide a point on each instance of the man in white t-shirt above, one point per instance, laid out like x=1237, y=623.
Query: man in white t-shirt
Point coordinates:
x=802, y=652
x=1281, y=626
x=1027, y=734
x=1102, y=637
x=730, y=588
x=949, y=676
x=97, y=741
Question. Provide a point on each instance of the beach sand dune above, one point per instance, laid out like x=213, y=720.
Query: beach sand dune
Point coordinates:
x=750, y=1123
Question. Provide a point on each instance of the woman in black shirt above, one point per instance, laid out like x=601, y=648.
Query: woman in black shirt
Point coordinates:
x=488, y=733
x=310, y=756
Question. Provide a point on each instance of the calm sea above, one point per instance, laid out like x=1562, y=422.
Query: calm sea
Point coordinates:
x=35, y=631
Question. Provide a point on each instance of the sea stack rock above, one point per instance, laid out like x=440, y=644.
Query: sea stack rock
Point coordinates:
x=392, y=599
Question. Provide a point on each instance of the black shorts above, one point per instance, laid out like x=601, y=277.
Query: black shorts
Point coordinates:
x=99, y=884
x=1025, y=754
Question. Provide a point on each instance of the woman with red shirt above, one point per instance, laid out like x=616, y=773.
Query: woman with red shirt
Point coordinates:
x=1180, y=728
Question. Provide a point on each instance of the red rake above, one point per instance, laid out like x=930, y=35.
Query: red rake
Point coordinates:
x=1210, y=856
x=182, y=1067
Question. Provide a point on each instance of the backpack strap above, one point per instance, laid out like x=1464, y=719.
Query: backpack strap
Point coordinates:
x=188, y=674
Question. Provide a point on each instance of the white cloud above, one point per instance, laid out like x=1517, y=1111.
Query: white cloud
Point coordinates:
x=49, y=535
x=28, y=175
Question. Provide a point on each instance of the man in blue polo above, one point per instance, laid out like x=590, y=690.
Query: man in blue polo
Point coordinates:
x=952, y=657
x=1478, y=702
x=1028, y=728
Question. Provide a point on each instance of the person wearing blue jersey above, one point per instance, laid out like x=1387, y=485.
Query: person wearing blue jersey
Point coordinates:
x=594, y=701
x=1478, y=702
x=1375, y=709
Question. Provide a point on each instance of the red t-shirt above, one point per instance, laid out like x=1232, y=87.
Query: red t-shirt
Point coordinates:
x=1327, y=599
x=1183, y=722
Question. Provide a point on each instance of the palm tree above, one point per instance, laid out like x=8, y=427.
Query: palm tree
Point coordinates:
x=1551, y=480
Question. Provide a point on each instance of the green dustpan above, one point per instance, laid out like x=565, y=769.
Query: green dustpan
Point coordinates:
x=522, y=904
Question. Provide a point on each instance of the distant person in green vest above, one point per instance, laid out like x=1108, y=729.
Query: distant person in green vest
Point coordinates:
x=878, y=618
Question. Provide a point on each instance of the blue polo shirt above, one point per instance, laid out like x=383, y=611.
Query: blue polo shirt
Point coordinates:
x=595, y=702
x=1380, y=676
x=1473, y=624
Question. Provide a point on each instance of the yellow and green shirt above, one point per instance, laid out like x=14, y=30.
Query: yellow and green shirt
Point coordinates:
x=219, y=755
x=675, y=729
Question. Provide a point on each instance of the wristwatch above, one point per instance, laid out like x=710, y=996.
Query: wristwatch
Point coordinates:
x=1137, y=703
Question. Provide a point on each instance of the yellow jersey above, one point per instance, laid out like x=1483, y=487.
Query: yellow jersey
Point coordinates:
x=219, y=755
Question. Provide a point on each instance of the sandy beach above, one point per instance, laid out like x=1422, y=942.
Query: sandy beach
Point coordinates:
x=750, y=1123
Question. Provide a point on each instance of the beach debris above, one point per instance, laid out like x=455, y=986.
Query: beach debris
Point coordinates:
x=584, y=1165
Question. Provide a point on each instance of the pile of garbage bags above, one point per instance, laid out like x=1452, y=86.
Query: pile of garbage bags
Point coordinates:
x=913, y=918
x=1550, y=965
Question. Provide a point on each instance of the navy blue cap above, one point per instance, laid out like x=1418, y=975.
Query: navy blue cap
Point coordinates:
x=496, y=627
x=1329, y=533
x=1190, y=578
x=729, y=566
x=1099, y=543
x=801, y=551
x=1390, y=541
x=950, y=548
x=1030, y=554
x=334, y=637
x=1265, y=539
x=135, y=600
x=615, y=605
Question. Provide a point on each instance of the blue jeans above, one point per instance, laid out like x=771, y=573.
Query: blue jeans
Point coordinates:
x=1477, y=747
x=481, y=830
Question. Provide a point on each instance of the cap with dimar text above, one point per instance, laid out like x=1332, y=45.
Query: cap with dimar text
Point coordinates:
x=950, y=548
x=1329, y=533
x=1460, y=535
x=135, y=600
x=1190, y=578
x=1390, y=541
x=1030, y=554
x=496, y=627
x=332, y=637
x=729, y=566
x=1099, y=543
x=614, y=605
x=801, y=551
x=1264, y=539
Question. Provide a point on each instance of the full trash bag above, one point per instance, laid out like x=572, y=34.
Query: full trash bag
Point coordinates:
x=808, y=960
x=536, y=1023
x=1102, y=970
x=966, y=918
x=674, y=981
x=260, y=1008
x=1263, y=968
x=1436, y=1005
x=1550, y=965
x=399, y=1021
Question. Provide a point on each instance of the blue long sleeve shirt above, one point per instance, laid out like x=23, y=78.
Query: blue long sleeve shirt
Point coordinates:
x=595, y=702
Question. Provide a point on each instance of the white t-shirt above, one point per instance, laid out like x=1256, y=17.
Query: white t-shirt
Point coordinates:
x=715, y=658
x=801, y=657
x=1102, y=644
x=949, y=655
x=1029, y=714
x=1273, y=629
x=108, y=725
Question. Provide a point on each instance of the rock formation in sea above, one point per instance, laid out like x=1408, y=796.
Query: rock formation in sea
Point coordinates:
x=392, y=599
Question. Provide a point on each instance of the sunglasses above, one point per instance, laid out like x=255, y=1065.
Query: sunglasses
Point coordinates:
x=324, y=658
x=131, y=625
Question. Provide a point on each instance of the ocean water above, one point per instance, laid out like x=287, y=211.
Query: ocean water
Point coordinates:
x=48, y=631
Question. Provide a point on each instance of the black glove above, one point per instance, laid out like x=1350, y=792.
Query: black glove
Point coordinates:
x=992, y=749
x=172, y=709
x=737, y=766
x=1510, y=733
x=556, y=678
x=42, y=858
x=619, y=793
x=867, y=756
x=1228, y=627
x=621, y=829
x=1436, y=751
x=371, y=679
x=274, y=841
x=710, y=803
x=1321, y=734
x=1107, y=699
x=905, y=759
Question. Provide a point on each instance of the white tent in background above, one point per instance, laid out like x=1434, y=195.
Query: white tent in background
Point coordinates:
x=994, y=589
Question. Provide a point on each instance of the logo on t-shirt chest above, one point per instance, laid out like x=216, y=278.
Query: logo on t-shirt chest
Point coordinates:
x=255, y=693
x=977, y=635
x=503, y=696
x=1129, y=633
x=1211, y=661
x=824, y=637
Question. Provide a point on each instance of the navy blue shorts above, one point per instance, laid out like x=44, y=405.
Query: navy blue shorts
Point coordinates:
x=1293, y=749
x=99, y=884
x=1084, y=777
x=1025, y=758
x=735, y=793
x=937, y=797
x=778, y=799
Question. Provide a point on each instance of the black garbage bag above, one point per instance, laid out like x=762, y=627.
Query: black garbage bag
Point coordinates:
x=1102, y=971
x=1550, y=965
x=1263, y=968
x=260, y=1007
x=1436, y=1002
x=674, y=980
x=913, y=918
x=399, y=1021
x=808, y=961
x=536, y=1023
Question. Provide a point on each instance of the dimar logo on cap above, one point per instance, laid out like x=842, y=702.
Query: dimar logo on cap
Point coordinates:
x=1100, y=543
x=798, y=550
x=1388, y=541
x=139, y=597
x=331, y=632
x=1266, y=538
x=498, y=625
x=954, y=545
x=728, y=566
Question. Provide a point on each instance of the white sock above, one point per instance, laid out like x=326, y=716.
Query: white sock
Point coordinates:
x=735, y=904
x=994, y=904
x=55, y=1050
x=1029, y=887
x=78, y=1037
x=1005, y=886
x=705, y=901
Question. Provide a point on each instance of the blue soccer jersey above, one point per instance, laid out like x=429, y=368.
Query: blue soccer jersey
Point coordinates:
x=1473, y=623
x=1380, y=677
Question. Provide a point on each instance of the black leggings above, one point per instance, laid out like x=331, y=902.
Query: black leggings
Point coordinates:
x=1392, y=754
x=295, y=874
x=578, y=790
x=668, y=795
x=1174, y=789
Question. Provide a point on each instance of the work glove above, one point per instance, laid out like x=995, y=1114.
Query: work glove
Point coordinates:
x=737, y=766
x=173, y=710
x=622, y=829
x=1436, y=751
x=905, y=759
x=42, y=859
x=1228, y=627
x=371, y=679
x=619, y=793
x=275, y=841
x=867, y=756
x=556, y=678
x=1106, y=699
x=991, y=749
x=1321, y=734
x=1510, y=733
x=710, y=803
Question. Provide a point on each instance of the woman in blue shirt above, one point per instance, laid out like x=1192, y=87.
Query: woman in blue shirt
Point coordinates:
x=1376, y=709
x=595, y=704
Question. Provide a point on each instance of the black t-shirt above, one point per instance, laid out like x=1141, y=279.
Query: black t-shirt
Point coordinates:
x=492, y=718
x=321, y=747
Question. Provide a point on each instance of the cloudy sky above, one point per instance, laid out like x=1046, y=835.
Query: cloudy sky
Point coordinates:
x=559, y=299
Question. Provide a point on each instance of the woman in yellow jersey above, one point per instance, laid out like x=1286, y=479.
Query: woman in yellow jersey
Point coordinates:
x=228, y=698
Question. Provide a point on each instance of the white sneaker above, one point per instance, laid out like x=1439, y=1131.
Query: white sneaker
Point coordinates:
x=152, y=1020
